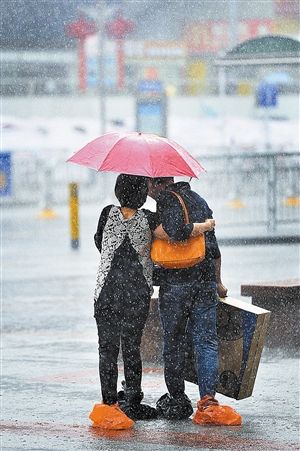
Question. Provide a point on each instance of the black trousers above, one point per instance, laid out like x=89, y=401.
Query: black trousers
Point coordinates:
x=121, y=312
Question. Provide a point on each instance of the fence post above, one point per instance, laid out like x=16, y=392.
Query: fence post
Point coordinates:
x=74, y=219
x=271, y=194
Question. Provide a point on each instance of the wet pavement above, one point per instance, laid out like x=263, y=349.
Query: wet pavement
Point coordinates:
x=49, y=358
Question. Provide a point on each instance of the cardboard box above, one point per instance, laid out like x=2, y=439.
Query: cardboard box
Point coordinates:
x=241, y=329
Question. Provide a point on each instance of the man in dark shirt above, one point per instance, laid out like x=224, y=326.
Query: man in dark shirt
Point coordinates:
x=188, y=300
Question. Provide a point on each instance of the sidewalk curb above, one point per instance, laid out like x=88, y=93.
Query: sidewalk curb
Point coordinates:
x=257, y=240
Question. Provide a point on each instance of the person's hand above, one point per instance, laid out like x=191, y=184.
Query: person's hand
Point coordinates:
x=210, y=223
x=202, y=227
x=221, y=290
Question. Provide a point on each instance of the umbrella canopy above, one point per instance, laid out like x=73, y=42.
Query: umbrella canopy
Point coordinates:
x=138, y=154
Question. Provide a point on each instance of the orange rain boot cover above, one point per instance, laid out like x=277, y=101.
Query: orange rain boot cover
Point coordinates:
x=110, y=417
x=210, y=412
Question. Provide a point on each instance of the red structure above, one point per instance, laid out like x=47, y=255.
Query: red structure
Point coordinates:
x=81, y=29
x=118, y=29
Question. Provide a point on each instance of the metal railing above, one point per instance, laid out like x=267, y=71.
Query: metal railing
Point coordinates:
x=68, y=86
x=242, y=189
x=246, y=189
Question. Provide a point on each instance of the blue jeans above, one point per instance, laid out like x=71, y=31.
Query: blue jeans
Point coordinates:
x=191, y=306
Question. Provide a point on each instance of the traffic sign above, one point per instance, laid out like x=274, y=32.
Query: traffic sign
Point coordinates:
x=267, y=95
x=151, y=115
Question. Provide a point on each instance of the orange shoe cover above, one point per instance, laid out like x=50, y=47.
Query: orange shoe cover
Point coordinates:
x=217, y=415
x=110, y=417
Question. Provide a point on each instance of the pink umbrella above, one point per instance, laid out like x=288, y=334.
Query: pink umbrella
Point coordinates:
x=137, y=154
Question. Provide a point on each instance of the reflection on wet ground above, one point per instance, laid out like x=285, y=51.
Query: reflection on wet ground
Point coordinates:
x=50, y=375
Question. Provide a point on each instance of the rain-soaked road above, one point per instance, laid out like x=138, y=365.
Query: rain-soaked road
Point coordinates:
x=49, y=366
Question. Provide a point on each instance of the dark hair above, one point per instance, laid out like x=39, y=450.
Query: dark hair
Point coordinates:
x=131, y=190
x=162, y=180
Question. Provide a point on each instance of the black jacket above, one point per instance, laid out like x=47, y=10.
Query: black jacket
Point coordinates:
x=170, y=214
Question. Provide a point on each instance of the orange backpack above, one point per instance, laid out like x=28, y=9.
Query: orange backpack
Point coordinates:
x=178, y=254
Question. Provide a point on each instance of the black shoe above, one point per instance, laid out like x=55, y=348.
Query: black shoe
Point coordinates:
x=139, y=411
x=130, y=404
x=179, y=408
x=128, y=397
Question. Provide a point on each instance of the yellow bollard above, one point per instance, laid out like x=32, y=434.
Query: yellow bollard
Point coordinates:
x=74, y=219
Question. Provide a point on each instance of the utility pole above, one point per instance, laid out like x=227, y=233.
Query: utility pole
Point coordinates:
x=101, y=17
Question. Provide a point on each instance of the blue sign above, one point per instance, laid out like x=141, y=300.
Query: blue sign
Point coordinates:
x=267, y=95
x=5, y=174
x=151, y=117
x=150, y=86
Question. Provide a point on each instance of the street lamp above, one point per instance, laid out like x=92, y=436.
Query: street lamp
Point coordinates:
x=118, y=29
x=80, y=29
